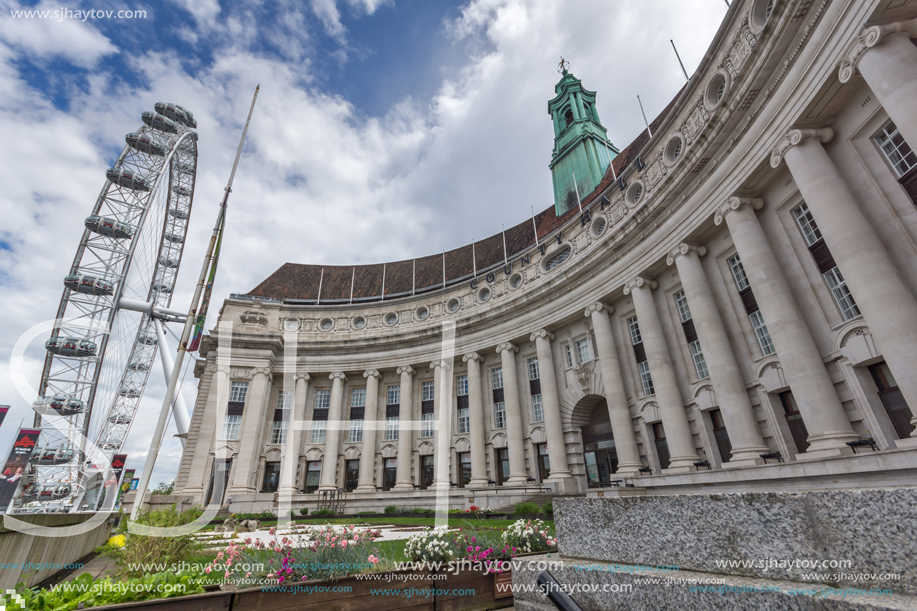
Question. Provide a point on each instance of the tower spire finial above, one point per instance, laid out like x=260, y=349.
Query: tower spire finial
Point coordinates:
x=563, y=66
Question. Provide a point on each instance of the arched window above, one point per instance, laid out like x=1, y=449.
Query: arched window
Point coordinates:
x=568, y=117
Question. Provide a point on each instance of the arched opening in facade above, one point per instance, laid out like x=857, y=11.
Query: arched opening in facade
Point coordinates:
x=599, y=454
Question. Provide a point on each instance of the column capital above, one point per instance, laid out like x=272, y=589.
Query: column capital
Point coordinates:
x=795, y=137
x=224, y=369
x=543, y=333
x=473, y=356
x=507, y=346
x=734, y=203
x=867, y=39
x=598, y=306
x=265, y=371
x=301, y=376
x=683, y=249
x=436, y=364
x=339, y=375
x=374, y=373
x=637, y=282
x=406, y=369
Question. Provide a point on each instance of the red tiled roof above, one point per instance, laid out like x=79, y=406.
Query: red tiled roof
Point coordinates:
x=301, y=281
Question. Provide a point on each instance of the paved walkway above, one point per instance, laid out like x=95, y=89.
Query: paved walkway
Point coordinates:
x=300, y=534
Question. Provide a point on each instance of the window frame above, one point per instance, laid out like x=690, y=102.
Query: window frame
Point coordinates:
x=537, y=408
x=426, y=425
x=761, y=333
x=681, y=303
x=533, y=368
x=496, y=376
x=391, y=428
x=738, y=272
x=841, y=293
x=355, y=434
x=238, y=397
x=464, y=421
x=279, y=430
x=700, y=363
x=322, y=399
x=393, y=391
x=499, y=415
x=583, y=350
x=319, y=432
x=646, y=378
x=887, y=155
x=633, y=326
x=424, y=387
x=231, y=428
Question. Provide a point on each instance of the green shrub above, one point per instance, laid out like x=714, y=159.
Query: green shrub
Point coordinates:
x=391, y=509
x=323, y=512
x=304, y=511
x=526, y=508
x=548, y=507
x=139, y=549
x=455, y=511
x=422, y=510
x=366, y=513
x=89, y=593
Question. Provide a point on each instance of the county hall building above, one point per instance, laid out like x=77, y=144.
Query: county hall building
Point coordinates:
x=728, y=306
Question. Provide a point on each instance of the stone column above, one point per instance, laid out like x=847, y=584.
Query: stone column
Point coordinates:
x=442, y=423
x=550, y=399
x=517, y=472
x=333, y=433
x=728, y=385
x=887, y=60
x=294, y=435
x=824, y=416
x=671, y=405
x=476, y=421
x=370, y=424
x=622, y=425
x=251, y=429
x=208, y=435
x=882, y=297
x=403, y=479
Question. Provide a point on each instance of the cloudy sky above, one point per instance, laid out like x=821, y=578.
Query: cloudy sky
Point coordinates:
x=384, y=130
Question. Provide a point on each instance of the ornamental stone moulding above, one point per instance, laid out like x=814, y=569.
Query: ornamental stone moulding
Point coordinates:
x=507, y=346
x=406, y=369
x=683, y=249
x=474, y=356
x=639, y=282
x=241, y=374
x=734, y=203
x=541, y=333
x=301, y=376
x=795, y=137
x=436, y=364
x=868, y=38
x=598, y=306
x=372, y=373
x=338, y=375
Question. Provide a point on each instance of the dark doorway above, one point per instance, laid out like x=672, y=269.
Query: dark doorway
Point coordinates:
x=544, y=463
x=898, y=410
x=389, y=473
x=719, y=433
x=794, y=420
x=220, y=472
x=599, y=447
x=502, y=465
x=351, y=474
x=313, y=475
x=426, y=471
x=464, y=461
x=662, y=446
x=271, y=477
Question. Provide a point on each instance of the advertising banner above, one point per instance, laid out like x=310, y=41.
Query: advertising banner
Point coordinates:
x=110, y=488
x=3, y=410
x=125, y=483
x=17, y=465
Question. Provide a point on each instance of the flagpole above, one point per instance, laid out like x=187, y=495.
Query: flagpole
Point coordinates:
x=189, y=324
x=576, y=189
x=534, y=226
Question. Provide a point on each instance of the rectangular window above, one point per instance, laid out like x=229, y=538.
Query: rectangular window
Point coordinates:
x=645, y=378
x=841, y=293
x=583, y=354
x=699, y=363
x=427, y=391
x=358, y=397
x=391, y=428
x=426, y=426
x=764, y=338
x=394, y=395
x=319, y=428
x=682, y=302
x=499, y=415
x=284, y=399
x=807, y=224
x=896, y=149
x=537, y=409
x=231, y=428
x=635, y=337
x=496, y=376
x=238, y=391
x=568, y=354
x=323, y=399
x=534, y=373
x=356, y=431
x=738, y=272
x=279, y=432
x=464, y=422
x=461, y=386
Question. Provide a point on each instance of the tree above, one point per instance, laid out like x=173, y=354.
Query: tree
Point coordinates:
x=164, y=488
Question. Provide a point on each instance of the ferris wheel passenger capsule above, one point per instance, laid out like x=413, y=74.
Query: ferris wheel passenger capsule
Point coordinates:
x=128, y=179
x=90, y=285
x=148, y=340
x=109, y=227
x=185, y=168
x=130, y=393
x=139, y=366
x=162, y=288
x=176, y=113
x=167, y=262
x=62, y=404
x=175, y=239
x=159, y=122
x=145, y=144
x=180, y=190
x=119, y=419
x=70, y=346
x=178, y=214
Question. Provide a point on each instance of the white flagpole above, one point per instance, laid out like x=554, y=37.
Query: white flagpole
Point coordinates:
x=534, y=226
x=575, y=188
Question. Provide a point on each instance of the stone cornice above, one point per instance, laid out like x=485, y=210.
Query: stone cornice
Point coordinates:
x=372, y=373
x=639, y=282
x=339, y=375
x=542, y=333
x=734, y=203
x=473, y=356
x=406, y=369
x=867, y=39
x=683, y=249
x=507, y=346
x=795, y=137
x=598, y=306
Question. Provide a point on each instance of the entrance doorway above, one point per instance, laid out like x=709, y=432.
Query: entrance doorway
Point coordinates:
x=898, y=410
x=271, y=477
x=426, y=471
x=313, y=475
x=389, y=473
x=662, y=446
x=220, y=472
x=464, y=461
x=544, y=463
x=351, y=474
x=719, y=433
x=502, y=469
x=599, y=447
x=794, y=420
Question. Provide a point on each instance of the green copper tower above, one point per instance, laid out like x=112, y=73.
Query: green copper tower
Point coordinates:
x=579, y=142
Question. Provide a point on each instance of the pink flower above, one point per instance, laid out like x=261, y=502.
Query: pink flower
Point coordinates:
x=247, y=575
x=220, y=556
x=207, y=570
x=226, y=575
x=373, y=559
x=281, y=579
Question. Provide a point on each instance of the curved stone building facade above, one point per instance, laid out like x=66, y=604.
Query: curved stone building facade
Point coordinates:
x=731, y=308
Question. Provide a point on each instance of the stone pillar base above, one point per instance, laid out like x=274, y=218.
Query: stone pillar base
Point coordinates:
x=743, y=462
x=827, y=453
x=365, y=488
x=562, y=484
x=517, y=480
x=628, y=470
x=682, y=462
x=403, y=486
x=679, y=469
x=327, y=487
x=477, y=483
x=910, y=442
